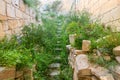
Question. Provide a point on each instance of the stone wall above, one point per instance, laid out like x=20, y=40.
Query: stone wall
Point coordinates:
x=107, y=11
x=13, y=15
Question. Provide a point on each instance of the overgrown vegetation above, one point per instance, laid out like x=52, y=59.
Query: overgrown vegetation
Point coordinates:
x=103, y=40
x=36, y=47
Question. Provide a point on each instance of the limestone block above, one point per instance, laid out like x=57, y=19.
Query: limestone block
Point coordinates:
x=118, y=59
x=3, y=17
x=8, y=33
x=109, y=5
x=77, y=52
x=115, y=13
x=84, y=72
x=5, y=25
x=1, y=26
x=116, y=51
x=75, y=77
x=22, y=5
x=2, y=34
x=71, y=58
x=107, y=77
x=18, y=74
x=86, y=45
x=27, y=10
x=82, y=62
x=101, y=73
x=2, y=8
x=8, y=1
x=72, y=38
x=7, y=74
x=18, y=13
x=12, y=24
x=10, y=10
x=68, y=47
x=16, y=3
x=108, y=58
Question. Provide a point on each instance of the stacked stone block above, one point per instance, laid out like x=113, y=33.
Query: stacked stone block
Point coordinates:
x=13, y=15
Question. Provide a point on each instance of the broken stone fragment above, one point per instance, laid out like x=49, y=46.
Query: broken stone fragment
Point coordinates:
x=107, y=58
x=116, y=51
x=72, y=38
x=68, y=47
x=86, y=45
x=118, y=59
x=101, y=73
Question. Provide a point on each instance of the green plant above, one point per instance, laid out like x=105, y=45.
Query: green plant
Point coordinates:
x=43, y=61
x=72, y=28
x=31, y=3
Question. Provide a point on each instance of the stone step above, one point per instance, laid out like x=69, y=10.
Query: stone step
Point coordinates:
x=58, y=49
x=54, y=65
x=58, y=42
x=54, y=73
x=58, y=57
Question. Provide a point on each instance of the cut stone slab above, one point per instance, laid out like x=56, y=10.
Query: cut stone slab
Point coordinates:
x=55, y=65
x=86, y=45
x=55, y=73
x=58, y=57
x=82, y=62
x=84, y=72
x=118, y=59
x=58, y=49
x=116, y=51
x=77, y=52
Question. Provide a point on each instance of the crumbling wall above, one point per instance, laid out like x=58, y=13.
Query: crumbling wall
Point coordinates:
x=13, y=15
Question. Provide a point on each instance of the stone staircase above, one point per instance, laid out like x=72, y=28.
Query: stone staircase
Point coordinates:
x=55, y=67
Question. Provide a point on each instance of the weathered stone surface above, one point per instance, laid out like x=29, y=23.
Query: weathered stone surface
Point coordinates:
x=108, y=58
x=2, y=34
x=22, y=6
x=82, y=62
x=116, y=51
x=18, y=13
x=8, y=1
x=3, y=17
x=84, y=72
x=86, y=45
x=55, y=73
x=71, y=58
x=106, y=77
x=55, y=65
x=10, y=10
x=72, y=39
x=5, y=25
x=7, y=73
x=118, y=59
x=101, y=73
x=16, y=3
x=68, y=47
x=2, y=8
x=77, y=52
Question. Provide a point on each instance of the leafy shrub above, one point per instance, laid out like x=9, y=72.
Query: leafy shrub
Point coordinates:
x=72, y=28
x=107, y=43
